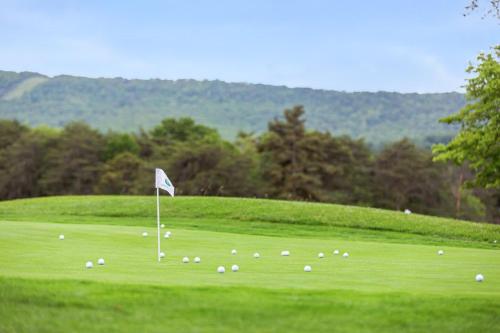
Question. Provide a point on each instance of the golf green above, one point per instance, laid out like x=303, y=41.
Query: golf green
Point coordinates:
x=393, y=279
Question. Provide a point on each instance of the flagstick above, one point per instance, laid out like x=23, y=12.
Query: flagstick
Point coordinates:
x=158, y=219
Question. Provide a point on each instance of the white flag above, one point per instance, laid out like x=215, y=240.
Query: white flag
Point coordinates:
x=163, y=182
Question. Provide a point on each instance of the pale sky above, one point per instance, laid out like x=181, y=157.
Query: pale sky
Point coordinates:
x=398, y=45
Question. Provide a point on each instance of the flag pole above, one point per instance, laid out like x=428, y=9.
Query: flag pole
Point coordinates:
x=158, y=219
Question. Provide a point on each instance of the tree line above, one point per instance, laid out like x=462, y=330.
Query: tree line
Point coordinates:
x=288, y=161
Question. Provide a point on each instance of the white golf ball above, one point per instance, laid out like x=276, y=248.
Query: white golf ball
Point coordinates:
x=407, y=211
x=321, y=255
x=221, y=269
x=144, y=234
x=495, y=241
x=440, y=252
x=307, y=268
x=285, y=253
x=256, y=255
x=479, y=278
x=61, y=237
x=235, y=268
x=336, y=252
x=197, y=260
x=100, y=261
x=233, y=252
x=185, y=260
x=345, y=255
x=89, y=264
x=162, y=254
x=167, y=235
x=162, y=226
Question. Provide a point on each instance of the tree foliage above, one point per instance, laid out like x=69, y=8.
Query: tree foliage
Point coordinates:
x=478, y=141
x=288, y=161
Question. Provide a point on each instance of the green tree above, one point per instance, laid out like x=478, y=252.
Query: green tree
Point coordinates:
x=120, y=175
x=75, y=162
x=292, y=159
x=117, y=143
x=10, y=131
x=23, y=163
x=478, y=141
x=405, y=177
x=211, y=169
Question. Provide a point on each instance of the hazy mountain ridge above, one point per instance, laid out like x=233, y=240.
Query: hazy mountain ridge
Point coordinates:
x=121, y=104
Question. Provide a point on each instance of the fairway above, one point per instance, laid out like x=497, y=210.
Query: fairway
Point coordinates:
x=393, y=279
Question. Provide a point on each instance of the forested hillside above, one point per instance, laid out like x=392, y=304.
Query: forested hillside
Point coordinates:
x=121, y=104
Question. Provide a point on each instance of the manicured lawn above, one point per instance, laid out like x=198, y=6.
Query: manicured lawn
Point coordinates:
x=393, y=279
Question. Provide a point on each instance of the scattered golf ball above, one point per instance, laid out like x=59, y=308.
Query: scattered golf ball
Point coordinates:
x=307, y=268
x=221, y=269
x=345, y=255
x=185, y=260
x=89, y=264
x=100, y=261
x=407, y=211
x=336, y=252
x=162, y=225
x=479, y=278
x=167, y=235
x=440, y=252
x=321, y=255
x=197, y=260
x=285, y=253
x=61, y=237
x=495, y=241
x=144, y=234
x=162, y=254
x=256, y=255
x=233, y=252
x=235, y=268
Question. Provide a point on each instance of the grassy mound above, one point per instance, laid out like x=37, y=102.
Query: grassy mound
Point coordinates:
x=270, y=217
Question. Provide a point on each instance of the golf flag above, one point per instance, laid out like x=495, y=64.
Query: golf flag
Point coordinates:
x=163, y=182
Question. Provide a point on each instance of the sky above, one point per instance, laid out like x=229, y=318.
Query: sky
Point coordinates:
x=399, y=45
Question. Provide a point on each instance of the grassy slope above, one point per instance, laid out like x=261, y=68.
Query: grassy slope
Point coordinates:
x=264, y=217
x=382, y=287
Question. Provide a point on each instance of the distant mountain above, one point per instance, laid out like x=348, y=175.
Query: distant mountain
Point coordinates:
x=121, y=104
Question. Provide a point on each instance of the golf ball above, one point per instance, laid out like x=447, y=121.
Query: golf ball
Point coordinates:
x=221, y=269
x=61, y=237
x=100, y=261
x=162, y=254
x=89, y=264
x=285, y=253
x=167, y=235
x=440, y=252
x=144, y=234
x=197, y=260
x=407, y=211
x=185, y=260
x=479, y=278
x=321, y=255
x=233, y=252
x=336, y=252
x=345, y=255
x=307, y=268
x=162, y=226
x=235, y=268
x=256, y=255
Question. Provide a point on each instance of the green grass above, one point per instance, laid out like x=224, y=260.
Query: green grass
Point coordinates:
x=393, y=280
